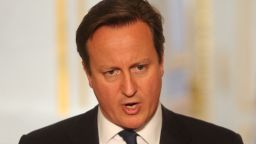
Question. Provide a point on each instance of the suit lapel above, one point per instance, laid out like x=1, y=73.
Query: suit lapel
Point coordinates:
x=85, y=129
x=173, y=131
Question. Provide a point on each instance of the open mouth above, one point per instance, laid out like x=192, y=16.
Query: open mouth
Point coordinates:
x=131, y=108
x=131, y=105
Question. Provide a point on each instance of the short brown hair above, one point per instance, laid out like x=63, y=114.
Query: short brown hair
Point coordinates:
x=118, y=13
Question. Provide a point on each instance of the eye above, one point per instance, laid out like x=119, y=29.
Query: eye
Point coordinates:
x=111, y=73
x=140, y=67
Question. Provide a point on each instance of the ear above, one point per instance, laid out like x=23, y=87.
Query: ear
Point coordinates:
x=88, y=74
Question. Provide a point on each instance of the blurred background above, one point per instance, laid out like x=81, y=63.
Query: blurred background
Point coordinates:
x=210, y=63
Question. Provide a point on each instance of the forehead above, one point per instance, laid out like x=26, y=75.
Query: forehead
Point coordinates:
x=135, y=33
x=122, y=29
x=130, y=41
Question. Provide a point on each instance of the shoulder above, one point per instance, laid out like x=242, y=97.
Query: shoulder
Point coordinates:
x=200, y=131
x=64, y=131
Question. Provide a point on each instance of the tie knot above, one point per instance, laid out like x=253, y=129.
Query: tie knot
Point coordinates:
x=129, y=136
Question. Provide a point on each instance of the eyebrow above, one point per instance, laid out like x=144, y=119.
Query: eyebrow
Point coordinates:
x=142, y=61
x=106, y=68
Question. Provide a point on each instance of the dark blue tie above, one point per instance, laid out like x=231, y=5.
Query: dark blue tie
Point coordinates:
x=129, y=136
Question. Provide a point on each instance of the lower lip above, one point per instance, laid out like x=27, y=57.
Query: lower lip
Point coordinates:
x=131, y=110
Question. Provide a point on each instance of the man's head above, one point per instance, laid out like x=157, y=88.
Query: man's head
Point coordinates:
x=117, y=13
x=121, y=44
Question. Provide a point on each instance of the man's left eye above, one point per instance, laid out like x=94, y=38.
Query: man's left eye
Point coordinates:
x=140, y=67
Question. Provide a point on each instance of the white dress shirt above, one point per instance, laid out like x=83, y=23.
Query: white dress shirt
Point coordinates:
x=149, y=134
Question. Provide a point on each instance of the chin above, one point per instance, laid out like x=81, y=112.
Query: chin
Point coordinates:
x=133, y=124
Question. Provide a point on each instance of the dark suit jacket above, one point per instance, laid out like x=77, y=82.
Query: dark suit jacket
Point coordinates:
x=176, y=129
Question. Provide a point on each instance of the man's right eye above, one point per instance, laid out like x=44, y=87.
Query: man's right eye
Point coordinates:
x=111, y=73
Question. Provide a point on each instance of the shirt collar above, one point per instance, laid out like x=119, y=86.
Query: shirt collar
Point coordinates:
x=107, y=130
x=150, y=132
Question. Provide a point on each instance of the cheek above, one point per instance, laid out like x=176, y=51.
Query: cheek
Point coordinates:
x=151, y=88
x=105, y=92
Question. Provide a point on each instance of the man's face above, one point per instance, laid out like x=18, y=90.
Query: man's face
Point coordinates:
x=126, y=75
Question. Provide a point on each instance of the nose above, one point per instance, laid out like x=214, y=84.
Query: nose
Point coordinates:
x=128, y=86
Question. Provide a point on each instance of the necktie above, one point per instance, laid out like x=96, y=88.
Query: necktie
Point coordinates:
x=129, y=136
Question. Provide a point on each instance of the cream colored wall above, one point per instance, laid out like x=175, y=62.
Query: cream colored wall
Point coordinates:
x=27, y=67
x=212, y=42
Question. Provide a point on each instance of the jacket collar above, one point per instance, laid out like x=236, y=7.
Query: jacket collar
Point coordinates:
x=85, y=129
x=173, y=130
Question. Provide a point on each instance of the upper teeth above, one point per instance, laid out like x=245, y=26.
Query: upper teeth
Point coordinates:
x=131, y=106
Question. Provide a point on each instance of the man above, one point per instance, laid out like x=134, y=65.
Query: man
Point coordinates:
x=121, y=45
